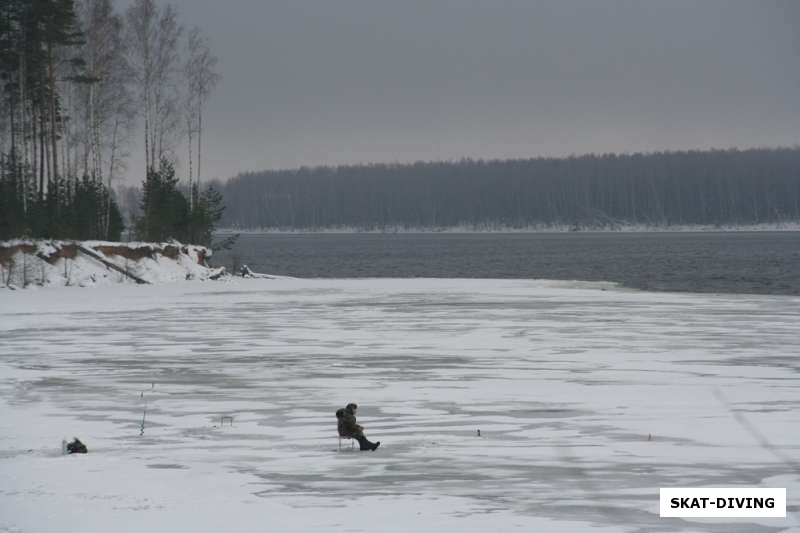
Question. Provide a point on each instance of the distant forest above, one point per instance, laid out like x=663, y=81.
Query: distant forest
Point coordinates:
x=717, y=187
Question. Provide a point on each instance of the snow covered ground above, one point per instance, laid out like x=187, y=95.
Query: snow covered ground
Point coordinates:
x=588, y=399
x=34, y=264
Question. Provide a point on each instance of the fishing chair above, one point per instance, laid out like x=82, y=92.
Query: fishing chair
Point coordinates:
x=351, y=439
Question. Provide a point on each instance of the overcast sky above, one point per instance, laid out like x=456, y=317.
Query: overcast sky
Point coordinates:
x=309, y=82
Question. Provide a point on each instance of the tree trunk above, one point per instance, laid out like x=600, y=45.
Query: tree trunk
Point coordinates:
x=19, y=165
x=23, y=112
x=92, y=149
x=47, y=164
x=199, y=139
x=191, y=193
x=34, y=166
x=42, y=145
x=112, y=161
x=53, y=133
x=97, y=172
x=14, y=165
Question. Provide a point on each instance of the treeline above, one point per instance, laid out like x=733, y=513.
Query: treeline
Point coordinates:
x=666, y=188
x=77, y=77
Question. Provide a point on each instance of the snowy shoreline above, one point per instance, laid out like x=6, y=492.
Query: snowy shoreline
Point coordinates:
x=47, y=263
x=489, y=228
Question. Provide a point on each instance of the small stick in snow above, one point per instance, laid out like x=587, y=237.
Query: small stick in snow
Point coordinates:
x=144, y=415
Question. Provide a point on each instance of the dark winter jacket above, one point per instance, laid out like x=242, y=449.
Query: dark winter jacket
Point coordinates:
x=347, y=425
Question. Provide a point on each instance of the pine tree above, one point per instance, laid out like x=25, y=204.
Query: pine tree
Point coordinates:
x=206, y=214
x=165, y=211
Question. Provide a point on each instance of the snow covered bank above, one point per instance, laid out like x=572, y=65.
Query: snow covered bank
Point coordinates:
x=588, y=397
x=32, y=263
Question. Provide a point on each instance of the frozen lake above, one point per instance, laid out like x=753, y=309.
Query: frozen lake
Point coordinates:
x=588, y=398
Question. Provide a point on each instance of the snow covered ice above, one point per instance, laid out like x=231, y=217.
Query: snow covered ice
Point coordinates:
x=588, y=398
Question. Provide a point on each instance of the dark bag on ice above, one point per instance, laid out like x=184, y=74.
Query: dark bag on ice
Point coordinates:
x=76, y=446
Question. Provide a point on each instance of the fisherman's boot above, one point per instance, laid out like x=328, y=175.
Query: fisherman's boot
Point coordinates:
x=364, y=444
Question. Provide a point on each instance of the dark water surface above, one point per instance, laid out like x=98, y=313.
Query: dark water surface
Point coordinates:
x=734, y=262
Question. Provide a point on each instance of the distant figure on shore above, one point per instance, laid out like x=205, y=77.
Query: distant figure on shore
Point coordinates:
x=349, y=428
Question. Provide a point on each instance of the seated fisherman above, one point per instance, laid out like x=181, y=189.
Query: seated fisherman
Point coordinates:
x=349, y=428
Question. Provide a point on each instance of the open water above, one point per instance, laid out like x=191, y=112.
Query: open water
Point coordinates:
x=729, y=262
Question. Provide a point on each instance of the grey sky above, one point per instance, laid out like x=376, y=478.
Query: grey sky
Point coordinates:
x=308, y=82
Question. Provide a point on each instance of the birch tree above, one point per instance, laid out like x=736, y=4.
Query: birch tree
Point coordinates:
x=108, y=105
x=200, y=79
x=153, y=35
